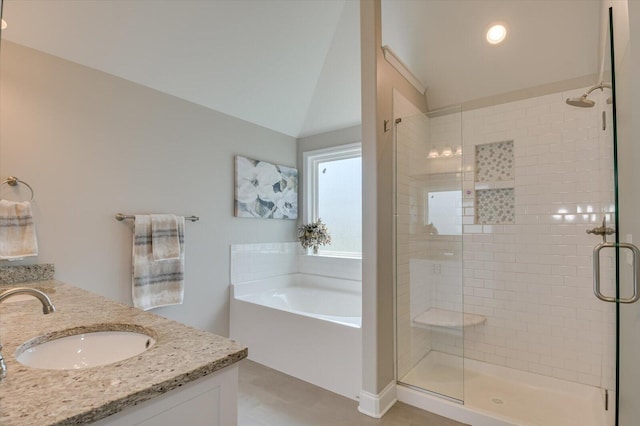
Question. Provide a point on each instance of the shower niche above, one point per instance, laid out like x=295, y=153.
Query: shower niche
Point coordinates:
x=494, y=183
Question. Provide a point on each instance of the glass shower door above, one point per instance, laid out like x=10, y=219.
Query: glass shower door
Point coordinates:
x=429, y=211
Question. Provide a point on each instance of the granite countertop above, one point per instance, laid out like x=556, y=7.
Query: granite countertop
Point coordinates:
x=30, y=396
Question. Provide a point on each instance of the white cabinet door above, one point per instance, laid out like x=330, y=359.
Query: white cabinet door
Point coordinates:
x=209, y=401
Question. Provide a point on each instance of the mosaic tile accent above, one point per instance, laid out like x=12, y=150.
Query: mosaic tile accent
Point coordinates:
x=495, y=206
x=494, y=161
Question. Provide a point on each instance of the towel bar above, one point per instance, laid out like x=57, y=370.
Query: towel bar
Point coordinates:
x=121, y=217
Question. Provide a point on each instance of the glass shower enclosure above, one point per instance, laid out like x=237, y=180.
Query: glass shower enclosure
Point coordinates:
x=495, y=237
x=511, y=275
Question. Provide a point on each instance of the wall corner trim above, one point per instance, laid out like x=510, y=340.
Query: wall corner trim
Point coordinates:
x=377, y=405
x=391, y=57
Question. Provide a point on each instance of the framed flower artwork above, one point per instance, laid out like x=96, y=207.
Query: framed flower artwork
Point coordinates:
x=265, y=190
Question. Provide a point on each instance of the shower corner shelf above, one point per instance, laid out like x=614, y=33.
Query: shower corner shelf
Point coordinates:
x=449, y=319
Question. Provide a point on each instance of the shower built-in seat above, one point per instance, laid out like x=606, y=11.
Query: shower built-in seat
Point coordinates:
x=440, y=370
x=445, y=318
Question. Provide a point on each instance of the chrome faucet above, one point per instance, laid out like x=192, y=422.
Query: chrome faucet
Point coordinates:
x=47, y=308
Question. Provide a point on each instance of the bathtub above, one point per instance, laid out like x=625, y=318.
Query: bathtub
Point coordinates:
x=307, y=326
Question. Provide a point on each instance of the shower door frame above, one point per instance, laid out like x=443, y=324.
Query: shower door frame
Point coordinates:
x=622, y=277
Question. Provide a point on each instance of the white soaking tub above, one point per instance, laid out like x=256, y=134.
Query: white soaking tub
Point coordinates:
x=307, y=326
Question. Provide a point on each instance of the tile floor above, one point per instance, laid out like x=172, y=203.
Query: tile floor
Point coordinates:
x=270, y=398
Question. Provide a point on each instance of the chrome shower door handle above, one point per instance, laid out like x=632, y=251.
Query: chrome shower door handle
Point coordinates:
x=596, y=272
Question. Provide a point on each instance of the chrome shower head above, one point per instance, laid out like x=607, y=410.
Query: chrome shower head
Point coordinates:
x=582, y=102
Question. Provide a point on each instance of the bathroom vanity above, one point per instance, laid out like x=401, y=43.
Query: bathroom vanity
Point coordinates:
x=188, y=376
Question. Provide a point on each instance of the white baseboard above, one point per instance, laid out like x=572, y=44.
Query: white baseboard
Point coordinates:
x=377, y=405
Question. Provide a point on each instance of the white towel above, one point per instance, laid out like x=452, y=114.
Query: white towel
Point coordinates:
x=17, y=230
x=165, y=242
x=155, y=283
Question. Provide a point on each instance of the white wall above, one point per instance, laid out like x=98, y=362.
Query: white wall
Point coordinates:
x=93, y=145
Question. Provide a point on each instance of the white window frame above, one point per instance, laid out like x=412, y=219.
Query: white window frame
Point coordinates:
x=310, y=160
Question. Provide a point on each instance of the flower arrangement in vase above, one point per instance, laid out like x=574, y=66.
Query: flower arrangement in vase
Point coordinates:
x=313, y=235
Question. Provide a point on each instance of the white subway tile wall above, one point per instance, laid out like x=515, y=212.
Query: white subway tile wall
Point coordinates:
x=336, y=267
x=533, y=279
x=250, y=262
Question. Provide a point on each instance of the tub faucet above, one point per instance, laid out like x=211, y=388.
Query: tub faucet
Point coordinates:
x=47, y=308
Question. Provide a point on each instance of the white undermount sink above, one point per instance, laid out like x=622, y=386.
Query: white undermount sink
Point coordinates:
x=84, y=349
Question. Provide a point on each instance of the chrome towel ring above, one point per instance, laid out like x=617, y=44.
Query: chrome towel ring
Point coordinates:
x=13, y=181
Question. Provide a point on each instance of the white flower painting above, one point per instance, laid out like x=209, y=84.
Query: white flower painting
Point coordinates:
x=264, y=190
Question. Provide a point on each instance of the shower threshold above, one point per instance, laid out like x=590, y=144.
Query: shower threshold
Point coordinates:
x=500, y=396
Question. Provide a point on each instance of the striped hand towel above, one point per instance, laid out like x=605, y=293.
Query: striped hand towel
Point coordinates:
x=17, y=230
x=155, y=283
x=165, y=242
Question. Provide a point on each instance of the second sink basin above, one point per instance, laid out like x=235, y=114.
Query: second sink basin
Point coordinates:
x=85, y=347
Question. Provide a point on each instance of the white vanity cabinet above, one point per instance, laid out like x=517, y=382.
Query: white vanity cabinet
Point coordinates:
x=209, y=401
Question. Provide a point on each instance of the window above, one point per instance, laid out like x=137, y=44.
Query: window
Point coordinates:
x=333, y=193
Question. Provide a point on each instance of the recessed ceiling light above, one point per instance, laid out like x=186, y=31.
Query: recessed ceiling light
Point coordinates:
x=496, y=34
x=4, y=24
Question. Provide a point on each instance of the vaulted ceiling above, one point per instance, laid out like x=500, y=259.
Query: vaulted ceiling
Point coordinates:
x=294, y=65
x=291, y=66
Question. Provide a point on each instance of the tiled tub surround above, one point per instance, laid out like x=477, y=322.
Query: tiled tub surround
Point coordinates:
x=251, y=262
x=30, y=396
x=295, y=320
